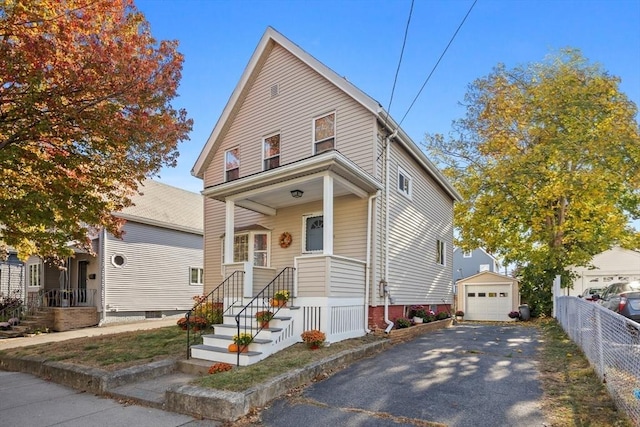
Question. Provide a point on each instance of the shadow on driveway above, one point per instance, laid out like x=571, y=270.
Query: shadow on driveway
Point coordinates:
x=468, y=375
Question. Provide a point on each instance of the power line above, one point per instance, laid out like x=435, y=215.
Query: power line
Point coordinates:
x=404, y=42
x=438, y=62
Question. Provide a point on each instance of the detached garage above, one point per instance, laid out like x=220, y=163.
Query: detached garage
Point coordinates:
x=488, y=296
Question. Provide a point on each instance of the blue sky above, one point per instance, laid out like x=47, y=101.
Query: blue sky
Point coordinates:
x=361, y=40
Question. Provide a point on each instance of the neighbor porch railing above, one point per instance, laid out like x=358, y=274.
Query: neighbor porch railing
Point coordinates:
x=246, y=322
x=211, y=308
x=68, y=298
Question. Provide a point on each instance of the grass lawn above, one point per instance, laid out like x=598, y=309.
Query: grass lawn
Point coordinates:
x=573, y=394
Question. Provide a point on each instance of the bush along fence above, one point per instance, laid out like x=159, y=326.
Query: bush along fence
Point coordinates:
x=611, y=343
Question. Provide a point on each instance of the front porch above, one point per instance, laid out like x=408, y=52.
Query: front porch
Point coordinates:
x=326, y=293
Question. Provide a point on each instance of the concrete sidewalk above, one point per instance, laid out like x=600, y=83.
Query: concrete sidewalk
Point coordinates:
x=86, y=332
x=31, y=401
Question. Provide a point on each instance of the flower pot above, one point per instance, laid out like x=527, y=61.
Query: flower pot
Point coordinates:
x=417, y=319
x=264, y=325
x=278, y=303
x=314, y=346
x=233, y=348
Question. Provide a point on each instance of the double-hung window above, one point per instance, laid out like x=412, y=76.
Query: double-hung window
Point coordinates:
x=404, y=183
x=324, y=133
x=232, y=164
x=253, y=246
x=271, y=152
x=34, y=274
x=440, y=252
x=196, y=276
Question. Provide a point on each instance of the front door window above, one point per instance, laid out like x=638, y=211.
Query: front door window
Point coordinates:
x=314, y=231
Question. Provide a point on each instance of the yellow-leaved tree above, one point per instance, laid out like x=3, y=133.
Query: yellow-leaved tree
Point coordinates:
x=547, y=160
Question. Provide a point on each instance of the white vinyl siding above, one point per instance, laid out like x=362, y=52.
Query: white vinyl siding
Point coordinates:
x=415, y=226
x=153, y=277
x=304, y=95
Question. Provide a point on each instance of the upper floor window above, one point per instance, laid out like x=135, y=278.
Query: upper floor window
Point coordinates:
x=271, y=152
x=34, y=274
x=232, y=164
x=404, y=183
x=196, y=276
x=324, y=133
x=440, y=251
x=466, y=254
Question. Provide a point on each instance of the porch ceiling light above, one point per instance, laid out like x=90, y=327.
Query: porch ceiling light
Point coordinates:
x=296, y=194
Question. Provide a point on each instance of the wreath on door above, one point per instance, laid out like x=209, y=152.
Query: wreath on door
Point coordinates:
x=285, y=240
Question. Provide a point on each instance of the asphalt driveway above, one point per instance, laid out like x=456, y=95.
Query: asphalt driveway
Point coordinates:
x=468, y=375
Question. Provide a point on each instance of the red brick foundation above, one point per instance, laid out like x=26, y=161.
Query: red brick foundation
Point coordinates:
x=376, y=314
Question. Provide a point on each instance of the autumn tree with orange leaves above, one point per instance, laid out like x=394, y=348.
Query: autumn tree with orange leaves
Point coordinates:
x=85, y=116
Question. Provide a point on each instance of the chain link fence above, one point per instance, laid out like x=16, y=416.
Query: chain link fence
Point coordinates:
x=611, y=343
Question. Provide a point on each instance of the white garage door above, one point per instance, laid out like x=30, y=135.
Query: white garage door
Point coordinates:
x=487, y=302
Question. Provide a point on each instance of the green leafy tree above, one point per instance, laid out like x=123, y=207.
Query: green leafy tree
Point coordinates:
x=547, y=160
x=85, y=116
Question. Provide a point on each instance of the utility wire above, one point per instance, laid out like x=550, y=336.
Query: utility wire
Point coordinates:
x=395, y=80
x=438, y=62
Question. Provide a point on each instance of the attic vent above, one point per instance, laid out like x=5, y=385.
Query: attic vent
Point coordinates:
x=275, y=90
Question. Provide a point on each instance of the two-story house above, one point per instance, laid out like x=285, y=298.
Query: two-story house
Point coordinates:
x=468, y=263
x=306, y=176
x=153, y=271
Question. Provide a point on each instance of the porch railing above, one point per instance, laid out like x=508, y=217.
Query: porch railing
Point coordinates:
x=68, y=298
x=264, y=301
x=211, y=308
x=11, y=311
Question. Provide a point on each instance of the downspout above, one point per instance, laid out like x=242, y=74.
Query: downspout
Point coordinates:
x=367, y=278
x=386, y=232
x=102, y=248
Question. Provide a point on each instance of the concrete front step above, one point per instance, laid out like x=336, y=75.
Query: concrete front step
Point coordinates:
x=229, y=331
x=215, y=340
x=151, y=392
x=222, y=354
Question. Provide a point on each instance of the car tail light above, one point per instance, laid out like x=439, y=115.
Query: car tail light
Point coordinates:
x=622, y=303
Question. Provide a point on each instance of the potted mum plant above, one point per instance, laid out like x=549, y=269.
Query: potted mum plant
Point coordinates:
x=240, y=343
x=514, y=314
x=280, y=298
x=263, y=318
x=197, y=323
x=314, y=338
x=417, y=313
x=459, y=314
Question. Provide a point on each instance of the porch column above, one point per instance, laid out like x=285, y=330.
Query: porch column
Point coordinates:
x=327, y=212
x=229, y=231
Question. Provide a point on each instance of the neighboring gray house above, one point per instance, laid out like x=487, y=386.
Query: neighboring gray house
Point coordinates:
x=468, y=263
x=155, y=270
x=12, y=277
x=304, y=173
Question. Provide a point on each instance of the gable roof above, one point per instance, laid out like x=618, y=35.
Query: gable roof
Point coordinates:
x=268, y=40
x=165, y=206
x=493, y=275
x=480, y=249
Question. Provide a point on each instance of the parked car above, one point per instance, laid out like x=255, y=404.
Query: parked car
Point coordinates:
x=623, y=298
x=590, y=292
